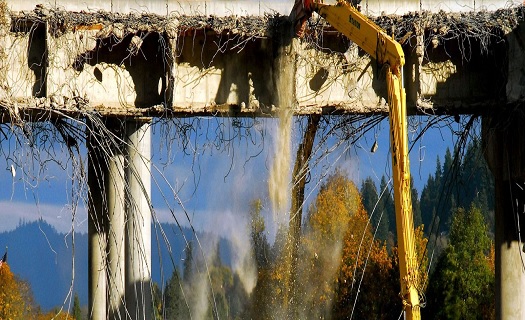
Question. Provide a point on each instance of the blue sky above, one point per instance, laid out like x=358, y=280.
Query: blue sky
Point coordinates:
x=216, y=182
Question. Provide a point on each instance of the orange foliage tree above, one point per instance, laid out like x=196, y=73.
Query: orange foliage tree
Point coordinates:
x=12, y=305
x=366, y=284
x=55, y=315
x=329, y=217
x=368, y=279
x=16, y=300
x=353, y=271
x=343, y=271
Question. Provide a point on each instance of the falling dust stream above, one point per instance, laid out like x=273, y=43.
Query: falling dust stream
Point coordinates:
x=278, y=183
x=287, y=196
x=286, y=188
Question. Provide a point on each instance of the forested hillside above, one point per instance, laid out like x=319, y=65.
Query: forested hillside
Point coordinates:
x=348, y=266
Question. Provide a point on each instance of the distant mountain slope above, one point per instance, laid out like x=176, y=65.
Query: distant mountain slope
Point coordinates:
x=43, y=257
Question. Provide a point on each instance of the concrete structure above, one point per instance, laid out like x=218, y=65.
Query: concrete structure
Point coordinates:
x=77, y=63
x=97, y=235
x=138, y=224
x=115, y=186
x=122, y=60
x=504, y=140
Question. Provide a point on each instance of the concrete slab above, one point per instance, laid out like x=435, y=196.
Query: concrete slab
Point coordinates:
x=121, y=66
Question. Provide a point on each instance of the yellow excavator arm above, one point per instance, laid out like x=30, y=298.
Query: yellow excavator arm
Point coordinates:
x=361, y=30
x=380, y=46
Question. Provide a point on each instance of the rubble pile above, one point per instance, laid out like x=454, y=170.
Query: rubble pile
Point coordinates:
x=482, y=25
x=120, y=24
x=445, y=24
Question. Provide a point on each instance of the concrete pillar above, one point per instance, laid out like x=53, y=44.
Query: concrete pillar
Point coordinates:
x=115, y=193
x=138, y=235
x=504, y=145
x=97, y=169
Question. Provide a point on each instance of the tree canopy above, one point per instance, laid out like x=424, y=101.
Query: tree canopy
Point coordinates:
x=462, y=286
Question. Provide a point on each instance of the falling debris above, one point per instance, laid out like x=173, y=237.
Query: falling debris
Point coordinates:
x=374, y=147
x=134, y=45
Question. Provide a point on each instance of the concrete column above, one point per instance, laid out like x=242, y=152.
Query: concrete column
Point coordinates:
x=96, y=230
x=510, y=275
x=504, y=145
x=138, y=235
x=115, y=193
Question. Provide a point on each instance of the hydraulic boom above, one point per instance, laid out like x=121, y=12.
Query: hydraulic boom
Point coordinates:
x=380, y=46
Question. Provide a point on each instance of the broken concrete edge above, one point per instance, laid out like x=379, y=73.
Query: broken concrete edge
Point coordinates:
x=61, y=22
x=475, y=24
x=45, y=109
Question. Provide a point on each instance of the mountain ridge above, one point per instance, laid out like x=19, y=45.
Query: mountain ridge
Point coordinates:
x=42, y=256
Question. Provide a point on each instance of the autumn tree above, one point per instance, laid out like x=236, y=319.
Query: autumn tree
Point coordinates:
x=329, y=218
x=343, y=270
x=353, y=271
x=55, y=314
x=368, y=279
x=422, y=258
x=12, y=304
x=365, y=284
x=300, y=174
x=268, y=299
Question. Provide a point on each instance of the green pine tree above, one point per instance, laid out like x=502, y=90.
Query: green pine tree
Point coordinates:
x=416, y=205
x=428, y=205
x=477, y=184
x=462, y=286
x=449, y=187
x=237, y=299
x=77, y=312
x=370, y=201
x=386, y=205
x=175, y=306
x=188, y=263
